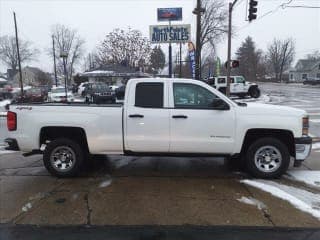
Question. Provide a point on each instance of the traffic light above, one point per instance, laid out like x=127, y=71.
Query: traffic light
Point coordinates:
x=252, y=10
x=234, y=64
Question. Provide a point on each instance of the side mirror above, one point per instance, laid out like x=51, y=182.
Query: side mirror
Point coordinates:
x=219, y=104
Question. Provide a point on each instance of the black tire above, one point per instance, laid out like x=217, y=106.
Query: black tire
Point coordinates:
x=254, y=92
x=223, y=90
x=77, y=153
x=266, y=142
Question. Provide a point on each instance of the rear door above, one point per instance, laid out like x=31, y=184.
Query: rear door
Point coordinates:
x=147, y=118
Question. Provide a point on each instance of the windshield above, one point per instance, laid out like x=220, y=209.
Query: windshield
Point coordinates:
x=58, y=90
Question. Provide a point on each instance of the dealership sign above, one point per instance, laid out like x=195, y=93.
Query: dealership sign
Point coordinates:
x=167, y=33
x=169, y=14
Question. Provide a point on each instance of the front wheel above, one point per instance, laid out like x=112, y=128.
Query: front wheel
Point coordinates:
x=254, y=92
x=63, y=157
x=267, y=158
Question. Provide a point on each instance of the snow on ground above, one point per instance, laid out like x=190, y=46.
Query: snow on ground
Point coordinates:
x=301, y=199
x=252, y=201
x=261, y=99
x=309, y=177
x=316, y=145
x=106, y=182
x=3, y=104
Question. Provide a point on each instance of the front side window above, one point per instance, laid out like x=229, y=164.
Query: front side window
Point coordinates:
x=192, y=96
x=149, y=95
x=240, y=80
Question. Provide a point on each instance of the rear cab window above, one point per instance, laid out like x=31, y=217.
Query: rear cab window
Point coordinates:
x=149, y=95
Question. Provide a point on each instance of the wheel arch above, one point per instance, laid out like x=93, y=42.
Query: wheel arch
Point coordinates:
x=285, y=136
x=76, y=134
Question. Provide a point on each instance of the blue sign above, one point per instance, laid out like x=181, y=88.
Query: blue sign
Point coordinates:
x=169, y=14
x=192, y=59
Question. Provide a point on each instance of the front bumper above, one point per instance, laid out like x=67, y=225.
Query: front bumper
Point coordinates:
x=303, y=147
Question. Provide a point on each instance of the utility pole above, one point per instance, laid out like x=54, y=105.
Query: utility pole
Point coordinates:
x=18, y=53
x=170, y=55
x=198, y=52
x=54, y=61
x=180, y=61
x=229, y=48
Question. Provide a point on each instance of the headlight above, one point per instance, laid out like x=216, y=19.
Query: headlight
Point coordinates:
x=305, y=126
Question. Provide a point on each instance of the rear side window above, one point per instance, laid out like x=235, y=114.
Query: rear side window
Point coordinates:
x=221, y=80
x=149, y=95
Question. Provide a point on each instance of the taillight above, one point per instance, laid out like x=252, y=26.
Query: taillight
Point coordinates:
x=11, y=121
x=305, y=126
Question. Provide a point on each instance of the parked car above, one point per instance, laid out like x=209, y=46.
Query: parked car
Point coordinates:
x=119, y=92
x=100, y=93
x=35, y=95
x=166, y=117
x=58, y=94
x=238, y=86
x=82, y=88
x=312, y=81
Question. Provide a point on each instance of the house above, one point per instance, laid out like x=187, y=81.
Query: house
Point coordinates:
x=3, y=81
x=305, y=69
x=113, y=74
x=33, y=77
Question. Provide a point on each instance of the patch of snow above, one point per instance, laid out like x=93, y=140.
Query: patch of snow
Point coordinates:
x=123, y=161
x=26, y=207
x=252, y=201
x=301, y=199
x=106, y=182
x=315, y=120
x=6, y=152
x=316, y=145
x=306, y=176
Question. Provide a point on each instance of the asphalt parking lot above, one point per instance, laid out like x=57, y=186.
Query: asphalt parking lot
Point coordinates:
x=155, y=197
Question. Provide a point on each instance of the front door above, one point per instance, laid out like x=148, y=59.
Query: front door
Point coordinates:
x=195, y=126
x=147, y=121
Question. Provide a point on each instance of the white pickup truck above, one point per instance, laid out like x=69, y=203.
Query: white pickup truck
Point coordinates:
x=177, y=117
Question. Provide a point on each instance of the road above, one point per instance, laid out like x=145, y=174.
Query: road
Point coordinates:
x=304, y=97
x=161, y=197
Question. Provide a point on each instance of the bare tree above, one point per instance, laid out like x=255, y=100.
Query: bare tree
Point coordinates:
x=69, y=41
x=8, y=51
x=314, y=56
x=125, y=47
x=280, y=55
x=213, y=23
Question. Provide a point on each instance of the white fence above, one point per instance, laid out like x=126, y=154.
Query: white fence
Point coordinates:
x=3, y=127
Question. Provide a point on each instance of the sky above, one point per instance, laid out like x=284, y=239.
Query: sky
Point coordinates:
x=93, y=19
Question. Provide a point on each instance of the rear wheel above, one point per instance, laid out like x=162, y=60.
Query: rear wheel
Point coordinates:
x=63, y=157
x=267, y=158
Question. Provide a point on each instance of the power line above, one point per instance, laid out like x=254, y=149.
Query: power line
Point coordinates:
x=301, y=6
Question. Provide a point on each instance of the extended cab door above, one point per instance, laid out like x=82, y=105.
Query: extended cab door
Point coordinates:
x=146, y=118
x=195, y=126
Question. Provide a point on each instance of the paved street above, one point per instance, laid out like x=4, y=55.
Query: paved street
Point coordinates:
x=183, y=193
x=304, y=97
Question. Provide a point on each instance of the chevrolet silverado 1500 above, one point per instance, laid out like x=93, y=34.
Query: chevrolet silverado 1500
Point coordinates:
x=178, y=117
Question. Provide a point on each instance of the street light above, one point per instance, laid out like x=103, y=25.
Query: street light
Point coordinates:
x=64, y=56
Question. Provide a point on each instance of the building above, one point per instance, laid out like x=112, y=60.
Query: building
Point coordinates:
x=305, y=69
x=33, y=77
x=3, y=81
x=113, y=74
